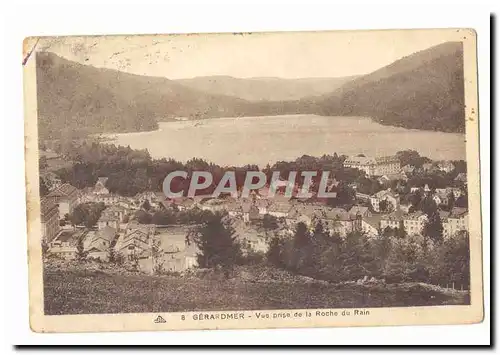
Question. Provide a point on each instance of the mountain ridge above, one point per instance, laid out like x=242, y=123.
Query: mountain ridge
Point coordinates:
x=423, y=90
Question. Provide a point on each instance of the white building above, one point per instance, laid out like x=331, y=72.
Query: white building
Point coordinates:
x=374, y=166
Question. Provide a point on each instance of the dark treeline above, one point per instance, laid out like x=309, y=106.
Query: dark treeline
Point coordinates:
x=321, y=255
x=132, y=171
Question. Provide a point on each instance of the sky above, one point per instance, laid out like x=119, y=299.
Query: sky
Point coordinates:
x=285, y=55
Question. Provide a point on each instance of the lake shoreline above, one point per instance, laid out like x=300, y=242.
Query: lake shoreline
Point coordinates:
x=267, y=139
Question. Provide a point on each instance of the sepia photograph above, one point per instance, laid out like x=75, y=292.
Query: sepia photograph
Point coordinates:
x=253, y=180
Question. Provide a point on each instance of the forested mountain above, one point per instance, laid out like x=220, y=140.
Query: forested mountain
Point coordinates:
x=265, y=88
x=424, y=90
x=78, y=98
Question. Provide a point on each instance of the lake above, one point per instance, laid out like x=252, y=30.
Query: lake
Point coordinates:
x=262, y=140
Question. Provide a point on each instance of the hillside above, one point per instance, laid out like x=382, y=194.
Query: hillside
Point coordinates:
x=424, y=90
x=78, y=98
x=77, y=291
x=265, y=89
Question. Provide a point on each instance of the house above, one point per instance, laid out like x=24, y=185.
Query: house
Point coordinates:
x=428, y=167
x=185, y=204
x=445, y=166
x=52, y=181
x=405, y=207
x=439, y=200
x=135, y=241
x=408, y=169
x=176, y=251
x=257, y=243
x=213, y=205
x=279, y=209
x=49, y=215
x=461, y=177
x=107, y=199
x=391, y=199
x=108, y=219
x=250, y=212
x=66, y=196
x=263, y=205
x=414, y=223
x=457, y=221
x=392, y=220
x=98, y=244
x=339, y=221
x=385, y=179
x=374, y=166
x=361, y=210
x=370, y=225
x=302, y=214
x=65, y=245
x=100, y=186
x=362, y=197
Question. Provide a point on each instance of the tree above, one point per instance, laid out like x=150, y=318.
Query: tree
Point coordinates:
x=433, y=228
x=451, y=201
x=462, y=202
x=157, y=253
x=216, y=240
x=143, y=217
x=81, y=254
x=87, y=214
x=274, y=252
x=383, y=205
x=146, y=206
x=163, y=217
x=111, y=254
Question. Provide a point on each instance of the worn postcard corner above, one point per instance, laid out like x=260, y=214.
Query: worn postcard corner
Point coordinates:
x=265, y=180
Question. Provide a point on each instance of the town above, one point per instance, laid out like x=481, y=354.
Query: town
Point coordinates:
x=149, y=229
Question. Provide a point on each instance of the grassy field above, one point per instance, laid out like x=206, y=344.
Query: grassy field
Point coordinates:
x=91, y=292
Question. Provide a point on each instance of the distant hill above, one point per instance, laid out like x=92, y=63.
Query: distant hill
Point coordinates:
x=81, y=99
x=265, y=88
x=424, y=90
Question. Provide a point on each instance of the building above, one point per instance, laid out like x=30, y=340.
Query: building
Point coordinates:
x=428, y=167
x=392, y=220
x=371, y=225
x=98, y=243
x=388, y=178
x=456, y=221
x=405, y=207
x=374, y=166
x=250, y=211
x=279, y=209
x=49, y=215
x=408, y=169
x=176, y=251
x=108, y=219
x=446, y=166
x=461, y=177
x=65, y=245
x=100, y=186
x=361, y=210
x=135, y=241
x=256, y=243
x=414, y=223
x=66, y=197
x=391, y=199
